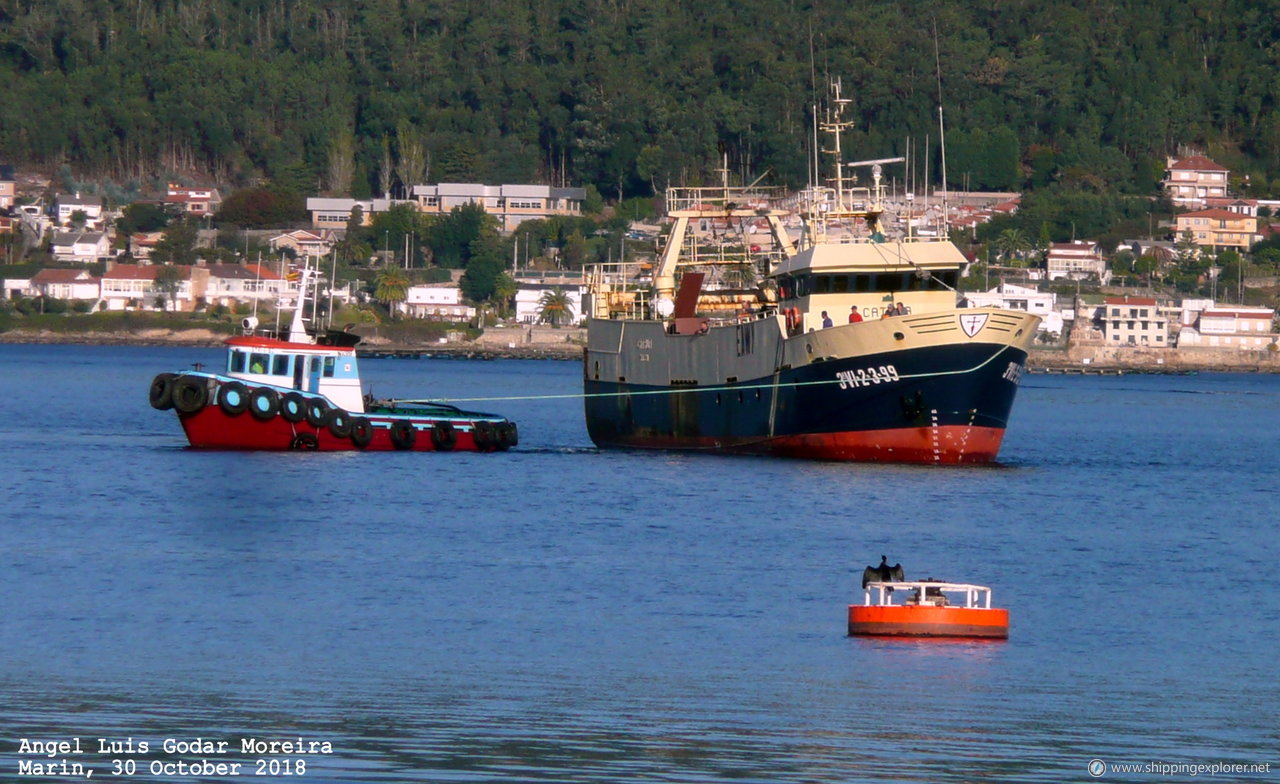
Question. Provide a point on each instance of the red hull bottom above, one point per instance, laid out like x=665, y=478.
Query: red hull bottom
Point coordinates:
x=942, y=445
x=926, y=621
x=212, y=428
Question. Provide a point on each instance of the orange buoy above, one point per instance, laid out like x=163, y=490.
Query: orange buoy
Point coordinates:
x=929, y=609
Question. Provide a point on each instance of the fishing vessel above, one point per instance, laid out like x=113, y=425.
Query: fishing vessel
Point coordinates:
x=930, y=608
x=843, y=345
x=300, y=389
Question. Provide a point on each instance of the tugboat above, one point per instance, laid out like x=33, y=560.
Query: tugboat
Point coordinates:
x=301, y=390
x=928, y=609
x=847, y=346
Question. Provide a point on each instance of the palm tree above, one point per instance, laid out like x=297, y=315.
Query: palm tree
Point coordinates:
x=504, y=288
x=393, y=288
x=554, y=307
x=1012, y=242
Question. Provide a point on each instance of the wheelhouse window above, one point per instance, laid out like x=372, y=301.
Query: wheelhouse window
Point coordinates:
x=280, y=365
x=235, y=362
x=328, y=367
x=258, y=363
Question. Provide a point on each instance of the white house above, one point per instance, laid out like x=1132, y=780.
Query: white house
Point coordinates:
x=233, y=283
x=305, y=243
x=1248, y=329
x=1011, y=297
x=195, y=201
x=1075, y=261
x=533, y=286
x=437, y=302
x=64, y=284
x=131, y=286
x=69, y=205
x=84, y=246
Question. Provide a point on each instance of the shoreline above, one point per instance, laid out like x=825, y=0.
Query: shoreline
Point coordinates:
x=1075, y=360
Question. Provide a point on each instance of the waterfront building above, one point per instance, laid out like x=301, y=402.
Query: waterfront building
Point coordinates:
x=230, y=284
x=533, y=285
x=437, y=302
x=132, y=286
x=64, y=284
x=1134, y=321
x=1230, y=326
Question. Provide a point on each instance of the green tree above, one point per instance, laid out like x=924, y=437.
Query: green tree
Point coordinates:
x=452, y=236
x=1012, y=244
x=141, y=216
x=178, y=245
x=392, y=288
x=555, y=307
x=167, y=282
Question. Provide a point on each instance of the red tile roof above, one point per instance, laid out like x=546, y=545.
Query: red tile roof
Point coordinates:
x=140, y=272
x=63, y=276
x=260, y=271
x=1196, y=163
x=1216, y=213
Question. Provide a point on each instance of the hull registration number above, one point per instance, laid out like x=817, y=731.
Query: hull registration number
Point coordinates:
x=865, y=377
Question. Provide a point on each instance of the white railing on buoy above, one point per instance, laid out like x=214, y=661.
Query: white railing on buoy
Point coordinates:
x=928, y=592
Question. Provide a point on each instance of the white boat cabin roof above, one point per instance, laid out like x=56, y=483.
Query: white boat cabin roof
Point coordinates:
x=873, y=256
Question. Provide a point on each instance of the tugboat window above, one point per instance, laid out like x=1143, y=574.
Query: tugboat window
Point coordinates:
x=280, y=365
x=257, y=363
x=235, y=363
x=328, y=367
x=315, y=364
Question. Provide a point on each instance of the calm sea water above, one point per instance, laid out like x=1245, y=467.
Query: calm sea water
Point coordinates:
x=562, y=614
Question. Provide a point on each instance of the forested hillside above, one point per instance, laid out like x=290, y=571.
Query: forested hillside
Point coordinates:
x=360, y=95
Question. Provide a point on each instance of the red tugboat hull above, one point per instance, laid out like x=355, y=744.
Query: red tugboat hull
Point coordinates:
x=212, y=428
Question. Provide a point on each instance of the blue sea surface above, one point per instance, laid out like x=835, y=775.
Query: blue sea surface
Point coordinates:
x=559, y=613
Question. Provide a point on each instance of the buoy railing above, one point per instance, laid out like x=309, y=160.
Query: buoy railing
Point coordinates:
x=926, y=592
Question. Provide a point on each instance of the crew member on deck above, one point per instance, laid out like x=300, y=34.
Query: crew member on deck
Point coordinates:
x=854, y=315
x=826, y=320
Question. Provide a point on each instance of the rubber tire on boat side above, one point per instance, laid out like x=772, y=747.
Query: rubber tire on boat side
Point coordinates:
x=233, y=398
x=361, y=432
x=402, y=434
x=264, y=403
x=508, y=436
x=190, y=393
x=306, y=442
x=293, y=407
x=339, y=423
x=443, y=436
x=317, y=412
x=484, y=434
x=161, y=395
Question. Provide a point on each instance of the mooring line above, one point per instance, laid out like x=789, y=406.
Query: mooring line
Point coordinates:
x=722, y=388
